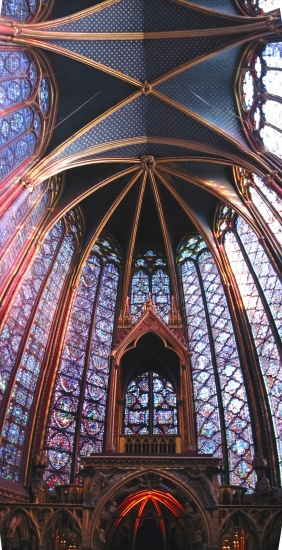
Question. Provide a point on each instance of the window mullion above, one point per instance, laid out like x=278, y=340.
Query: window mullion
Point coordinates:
x=216, y=377
x=151, y=403
x=84, y=377
x=25, y=337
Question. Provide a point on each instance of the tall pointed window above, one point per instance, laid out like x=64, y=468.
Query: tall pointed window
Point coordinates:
x=261, y=94
x=259, y=7
x=24, y=10
x=222, y=412
x=18, y=224
x=25, y=335
x=150, y=406
x=267, y=204
x=261, y=291
x=150, y=275
x=25, y=108
x=78, y=410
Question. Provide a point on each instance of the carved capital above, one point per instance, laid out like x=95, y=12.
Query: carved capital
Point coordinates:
x=269, y=177
x=28, y=184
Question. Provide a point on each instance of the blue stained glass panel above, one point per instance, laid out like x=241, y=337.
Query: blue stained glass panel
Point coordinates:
x=139, y=293
x=266, y=346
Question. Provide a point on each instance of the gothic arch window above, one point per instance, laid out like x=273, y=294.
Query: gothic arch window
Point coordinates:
x=221, y=406
x=150, y=275
x=150, y=406
x=261, y=290
x=259, y=7
x=266, y=203
x=18, y=224
x=78, y=409
x=26, y=10
x=25, y=335
x=26, y=108
x=260, y=96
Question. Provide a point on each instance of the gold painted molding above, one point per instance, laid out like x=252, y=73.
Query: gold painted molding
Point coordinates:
x=32, y=32
x=130, y=252
x=168, y=248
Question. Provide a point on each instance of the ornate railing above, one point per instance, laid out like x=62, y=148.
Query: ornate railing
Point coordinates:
x=150, y=444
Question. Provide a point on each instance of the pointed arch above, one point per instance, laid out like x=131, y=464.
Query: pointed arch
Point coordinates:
x=260, y=290
x=25, y=336
x=222, y=411
x=78, y=409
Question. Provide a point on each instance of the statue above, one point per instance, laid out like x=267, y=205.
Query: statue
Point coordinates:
x=194, y=516
x=142, y=483
x=262, y=487
x=206, y=489
x=161, y=486
x=107, y=515
x=40, y=486
x=100, y=539
x=14, y=523
x=199, y=544
x=95, y=486
x=41, y=459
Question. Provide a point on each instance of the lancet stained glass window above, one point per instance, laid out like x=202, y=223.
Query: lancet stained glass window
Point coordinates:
x=150, y=275
x=21, y=10
x=261, y=293
x=216, y=371
x=267, y=203
x=262, y=96
x=150, y=406
x=77, y=415
x=258, y=7
x=20, y=221
x=25, y=97
x=22, y=347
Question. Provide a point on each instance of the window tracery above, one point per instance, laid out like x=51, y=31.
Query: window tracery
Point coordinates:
x=219, y=390
x=78, y=410
x=25, y=108
x=150, y=275
x=23, y=343
x=259, y=7
x=260, y=290
x=268, y=205
x=18, y=224
x=24, y=10
x=261, y=96
x=150, y=406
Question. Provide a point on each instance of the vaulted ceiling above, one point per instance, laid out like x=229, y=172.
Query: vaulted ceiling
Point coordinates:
x=147, y=129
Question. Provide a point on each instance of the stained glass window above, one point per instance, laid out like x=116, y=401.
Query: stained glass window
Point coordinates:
x=21, y=10
x=261, y=293
x=219, y=389
x=23, y=347
x=150, y=406
x=76, y=423
x=262, y=96
x=20, y=221
x=26, y=96
x=267, y=203
x=258, y=7
x=149, y=277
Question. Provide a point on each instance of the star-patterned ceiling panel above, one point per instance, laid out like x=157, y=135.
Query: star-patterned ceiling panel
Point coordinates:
x=85, y=92
x=143, y=16
x=144, y=59
x=143, y=117
x=211, y=98
x=200, y=201
x=217, y=177
x=223, y=6
x=157, y=150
